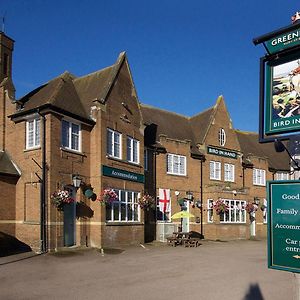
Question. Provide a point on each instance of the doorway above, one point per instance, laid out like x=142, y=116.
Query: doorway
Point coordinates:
x=70, y=220
x=185, y=221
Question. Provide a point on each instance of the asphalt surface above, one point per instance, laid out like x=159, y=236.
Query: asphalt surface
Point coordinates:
x=214, y=270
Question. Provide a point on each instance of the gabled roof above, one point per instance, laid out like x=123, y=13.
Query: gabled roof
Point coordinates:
x=200, y=124
x=251, y=147
x=71, y=94
x=7, y=167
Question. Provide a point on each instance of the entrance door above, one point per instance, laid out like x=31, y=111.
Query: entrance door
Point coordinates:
x=185, y=221
x=69, y=220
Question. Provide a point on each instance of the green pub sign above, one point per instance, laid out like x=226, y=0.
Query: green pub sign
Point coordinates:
x=282, y=105
x=284, y=225
x=122, y=174
x=283, y=41
x=222, y=152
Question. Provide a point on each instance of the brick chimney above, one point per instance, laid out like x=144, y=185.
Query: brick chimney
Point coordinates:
x=6, y=50
x=7, y=90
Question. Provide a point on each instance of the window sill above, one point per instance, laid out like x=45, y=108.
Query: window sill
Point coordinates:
x=32, y=149
x=125, y=223
x=123, y=161
x=181, y=175
x=71, y=151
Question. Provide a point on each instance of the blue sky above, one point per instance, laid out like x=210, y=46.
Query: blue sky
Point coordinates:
x=182, y=54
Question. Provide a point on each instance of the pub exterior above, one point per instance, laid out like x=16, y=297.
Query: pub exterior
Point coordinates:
x=95, y=130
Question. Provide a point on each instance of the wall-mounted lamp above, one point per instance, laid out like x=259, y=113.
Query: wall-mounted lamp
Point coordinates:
x=189, y=195
x=76, y=181
x=177, y=193
x=234, y=192
x=256, y=200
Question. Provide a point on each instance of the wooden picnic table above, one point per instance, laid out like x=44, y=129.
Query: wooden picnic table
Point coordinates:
x=182, y=238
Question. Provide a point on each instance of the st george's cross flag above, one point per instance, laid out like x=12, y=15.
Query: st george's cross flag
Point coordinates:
x=164, y=200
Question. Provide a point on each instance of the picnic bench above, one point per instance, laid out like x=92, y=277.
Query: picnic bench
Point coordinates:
x=182, y=238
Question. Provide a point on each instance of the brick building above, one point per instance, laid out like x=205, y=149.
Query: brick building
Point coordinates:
x=93, y=128
x=204, y=156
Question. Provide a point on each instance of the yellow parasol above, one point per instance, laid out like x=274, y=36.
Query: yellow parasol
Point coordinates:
x=182, y=214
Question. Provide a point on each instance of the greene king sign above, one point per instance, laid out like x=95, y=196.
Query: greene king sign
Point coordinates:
x=284, y=41
x=284, y=225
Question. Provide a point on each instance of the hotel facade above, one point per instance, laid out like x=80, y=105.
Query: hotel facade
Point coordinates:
x=95, y=129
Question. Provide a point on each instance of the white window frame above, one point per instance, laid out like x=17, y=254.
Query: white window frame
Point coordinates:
x=229, y=172
x=133, y=150
x=222, y=137
x=210, y=211
x=215, y=169
x=265, y=211
x=236, y=213
x=33, y=135
x=282, y=176
x=125, y=209
x=259, y=177
x=174, y=164
x=114, y=144
x=71, y=136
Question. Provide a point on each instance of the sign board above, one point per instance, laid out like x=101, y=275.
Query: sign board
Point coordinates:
x=283, y=41
x=284, y=225
x=122, y=174
x=222, y=152
x=282, y=95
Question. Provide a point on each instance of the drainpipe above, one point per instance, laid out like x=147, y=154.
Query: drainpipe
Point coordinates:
x=154, y=179
x=201, y=198
x=43, y=207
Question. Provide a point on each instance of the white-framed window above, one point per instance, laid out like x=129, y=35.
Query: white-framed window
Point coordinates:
x=176, y=164
x=215, y=170
x=210, y=210
x=133, y=150
x=222, y=137
x=70, y=135
x=264, y=209
x=114, y=143
x=228, y=172
x=146, y=157
x=33, y=133
x=236, y=211
x=282, y=176
x=125, y=209
x=259, y=177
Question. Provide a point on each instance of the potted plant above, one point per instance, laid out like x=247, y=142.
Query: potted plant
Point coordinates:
x=61, y=198
x=147, y=202
x=220, y=206
x=108, y=196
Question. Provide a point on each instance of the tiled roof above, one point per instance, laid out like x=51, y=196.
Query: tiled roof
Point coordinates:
x=251, y=147
x=71, y=94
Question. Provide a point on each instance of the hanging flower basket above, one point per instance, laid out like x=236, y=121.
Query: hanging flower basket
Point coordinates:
x=147, y=202
x=61, y=198
x=220, y=206
x=108, y=196
x=251, y=208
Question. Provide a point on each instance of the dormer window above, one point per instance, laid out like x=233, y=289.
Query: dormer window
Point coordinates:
x=222, y=137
